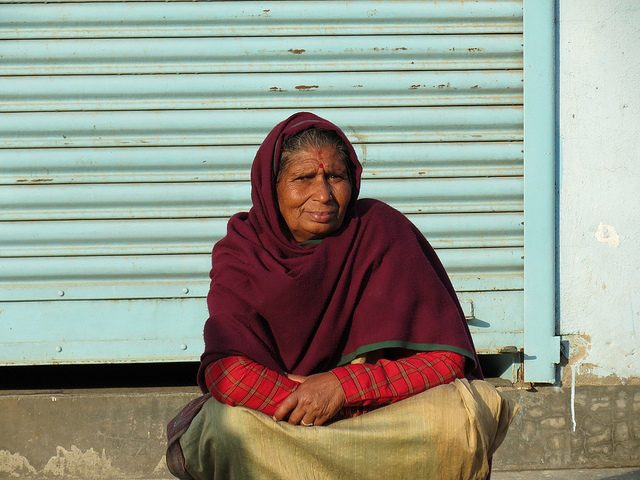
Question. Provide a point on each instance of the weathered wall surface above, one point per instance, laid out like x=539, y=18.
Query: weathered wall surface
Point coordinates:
x=599, y=188
x=592, y=427
x=97, y=434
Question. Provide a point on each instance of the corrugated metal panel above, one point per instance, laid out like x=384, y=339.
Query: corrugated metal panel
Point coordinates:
x=128, y=129
x=30, y=343
x=232, y=162
x=269, y=54
x=196, y=19
x=308, y=90
x=210, y=199
x=233, y=127
x=137, y=330
x=161, y=276
x=195, y=235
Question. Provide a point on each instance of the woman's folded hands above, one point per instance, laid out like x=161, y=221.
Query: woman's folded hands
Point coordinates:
x=315, y=402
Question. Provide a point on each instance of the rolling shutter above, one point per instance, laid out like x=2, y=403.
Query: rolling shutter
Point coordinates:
x=128, y=129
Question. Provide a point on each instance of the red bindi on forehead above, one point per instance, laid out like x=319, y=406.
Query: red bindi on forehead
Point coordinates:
x=321, y=165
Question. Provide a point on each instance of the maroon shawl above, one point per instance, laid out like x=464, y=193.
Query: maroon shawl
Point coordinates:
x=376, y=283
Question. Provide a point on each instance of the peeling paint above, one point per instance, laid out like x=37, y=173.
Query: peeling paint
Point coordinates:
x=579, y=346
x=79, y=464
x=474, y=49
x=581, y=371
x=276, y=89
x=306, y=87
x=14, y=465
x=34, y=180
x=296, y=51
x=607, y=234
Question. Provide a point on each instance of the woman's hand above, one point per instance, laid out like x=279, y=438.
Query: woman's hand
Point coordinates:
x=316, y=401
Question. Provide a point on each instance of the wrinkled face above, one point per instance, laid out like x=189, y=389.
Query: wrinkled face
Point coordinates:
x=313, y=193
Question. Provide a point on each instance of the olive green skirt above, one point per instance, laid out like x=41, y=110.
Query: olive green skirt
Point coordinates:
x=448, y=432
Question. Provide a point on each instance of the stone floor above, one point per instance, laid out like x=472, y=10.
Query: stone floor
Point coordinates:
x=592, y=474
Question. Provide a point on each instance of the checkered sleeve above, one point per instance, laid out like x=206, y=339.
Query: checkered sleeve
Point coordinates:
x=240, y=381
x=389, y=381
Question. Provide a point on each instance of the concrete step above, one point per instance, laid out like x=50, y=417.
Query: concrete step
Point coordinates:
x=86, y=434
x=120, y=433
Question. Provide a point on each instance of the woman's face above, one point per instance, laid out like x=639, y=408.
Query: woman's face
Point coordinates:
x=313, y=193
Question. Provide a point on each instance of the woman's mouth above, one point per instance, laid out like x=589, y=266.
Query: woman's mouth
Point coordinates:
x=323, y=217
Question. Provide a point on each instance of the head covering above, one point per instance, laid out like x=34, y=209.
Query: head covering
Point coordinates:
x=375, y=283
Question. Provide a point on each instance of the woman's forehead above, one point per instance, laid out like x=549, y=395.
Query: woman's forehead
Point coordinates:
x=313, y=157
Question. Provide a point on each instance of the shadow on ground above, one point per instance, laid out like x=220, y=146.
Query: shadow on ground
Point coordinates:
x=635, y=475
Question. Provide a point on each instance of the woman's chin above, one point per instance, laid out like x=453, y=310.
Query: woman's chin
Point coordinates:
x=317, y=231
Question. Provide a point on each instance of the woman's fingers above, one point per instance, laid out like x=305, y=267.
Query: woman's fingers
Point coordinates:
x=285, y=408
x=298, y=414
x=296, y=378
x=307, y=415
x=293, y=411
x=316, y=401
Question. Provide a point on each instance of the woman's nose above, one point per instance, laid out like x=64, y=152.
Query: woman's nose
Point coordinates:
x=322, y=188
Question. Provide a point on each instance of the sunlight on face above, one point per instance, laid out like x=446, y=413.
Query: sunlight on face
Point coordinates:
x=313, y=193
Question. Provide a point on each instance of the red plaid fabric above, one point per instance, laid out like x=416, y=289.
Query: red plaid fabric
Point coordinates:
x=389, y=381
x=240, y=381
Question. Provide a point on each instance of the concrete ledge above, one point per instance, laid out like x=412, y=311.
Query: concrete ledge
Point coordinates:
x=104, y=434
x=542, y=436
x=591, y=474
x=109, y=434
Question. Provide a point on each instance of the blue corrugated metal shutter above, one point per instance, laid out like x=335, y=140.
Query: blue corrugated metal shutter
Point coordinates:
x=128, y=129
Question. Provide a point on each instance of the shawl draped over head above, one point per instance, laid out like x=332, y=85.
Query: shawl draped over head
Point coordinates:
x=375, y=283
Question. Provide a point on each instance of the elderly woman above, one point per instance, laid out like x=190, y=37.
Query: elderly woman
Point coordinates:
x=324, y=307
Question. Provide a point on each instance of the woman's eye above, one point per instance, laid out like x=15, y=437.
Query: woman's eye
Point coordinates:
x=301, y=178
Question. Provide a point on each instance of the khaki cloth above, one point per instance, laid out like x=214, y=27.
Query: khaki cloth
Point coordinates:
x=448, y=432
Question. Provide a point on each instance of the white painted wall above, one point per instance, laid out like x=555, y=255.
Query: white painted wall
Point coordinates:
x=600, y=185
